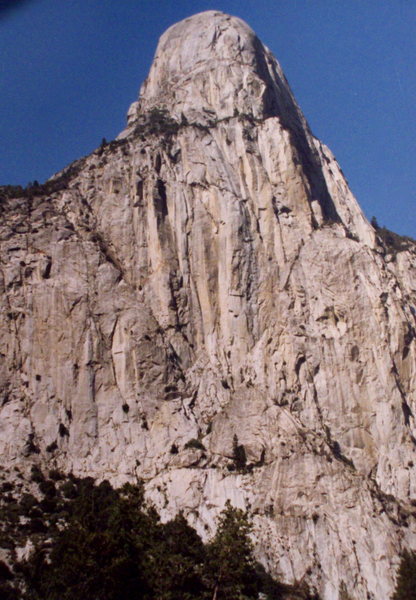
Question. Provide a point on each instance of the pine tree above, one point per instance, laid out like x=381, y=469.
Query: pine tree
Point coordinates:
x=230, y=566
x=178, y=557
x=108, y=544
x=406, y=578
x=239, y=455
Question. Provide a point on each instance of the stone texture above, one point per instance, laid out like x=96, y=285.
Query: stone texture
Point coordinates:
x=209, y=276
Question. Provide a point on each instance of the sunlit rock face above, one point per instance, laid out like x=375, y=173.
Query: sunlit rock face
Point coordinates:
x=203, y=304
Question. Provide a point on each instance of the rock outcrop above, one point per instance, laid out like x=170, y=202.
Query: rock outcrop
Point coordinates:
x=202, y=304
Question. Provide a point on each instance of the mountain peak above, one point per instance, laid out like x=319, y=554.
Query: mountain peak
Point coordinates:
x=213, y=64
x=211, y=68
x=203, y=305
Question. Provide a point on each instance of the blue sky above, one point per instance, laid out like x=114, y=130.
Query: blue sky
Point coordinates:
x=70, y=68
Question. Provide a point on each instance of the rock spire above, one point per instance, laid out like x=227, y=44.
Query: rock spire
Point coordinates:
x=206, y=282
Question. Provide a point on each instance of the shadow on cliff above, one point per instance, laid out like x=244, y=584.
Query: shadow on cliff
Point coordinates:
x=278, y=102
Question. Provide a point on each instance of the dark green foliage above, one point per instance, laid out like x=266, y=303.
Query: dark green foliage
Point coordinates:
x=231, y=573
x=31, y=447
x=55, y=475
x=96, y=555
x=37, y=525
x=48, y=505
x=27, y=503
x=273, y=590
x=36, y=474
x=239, y=455
x=157, y=122
x=178, y=561
x=63, y=431
x=5, y=573
x=7, y=592
x=47, y=488
x=11, y=191
x=114, y=548
x=394, y=242
x=194, y=443
x=49, y=187
x=406, y=577
x=69, y=490
x=99, y=543
x=7, y=486
x=52, y=447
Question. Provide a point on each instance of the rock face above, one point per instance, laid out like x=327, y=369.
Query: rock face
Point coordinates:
x=202, y=304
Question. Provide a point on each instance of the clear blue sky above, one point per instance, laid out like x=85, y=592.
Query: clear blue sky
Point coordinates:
x=70, y=68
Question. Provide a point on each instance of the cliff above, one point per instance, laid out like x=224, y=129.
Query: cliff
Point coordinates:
x=202, y=304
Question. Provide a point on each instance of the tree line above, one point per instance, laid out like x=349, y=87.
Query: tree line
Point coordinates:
x=94, y=542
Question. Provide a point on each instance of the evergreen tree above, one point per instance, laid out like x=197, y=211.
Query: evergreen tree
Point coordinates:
x=107, y=544
x=406, y=578
x=239, y=455
x=178, y=557
x=100, y=553
x=231, y=573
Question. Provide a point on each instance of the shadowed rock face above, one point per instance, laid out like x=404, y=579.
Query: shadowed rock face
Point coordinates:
x=210, y=277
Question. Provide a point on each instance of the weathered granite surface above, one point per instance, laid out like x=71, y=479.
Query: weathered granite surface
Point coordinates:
x=209, y=276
